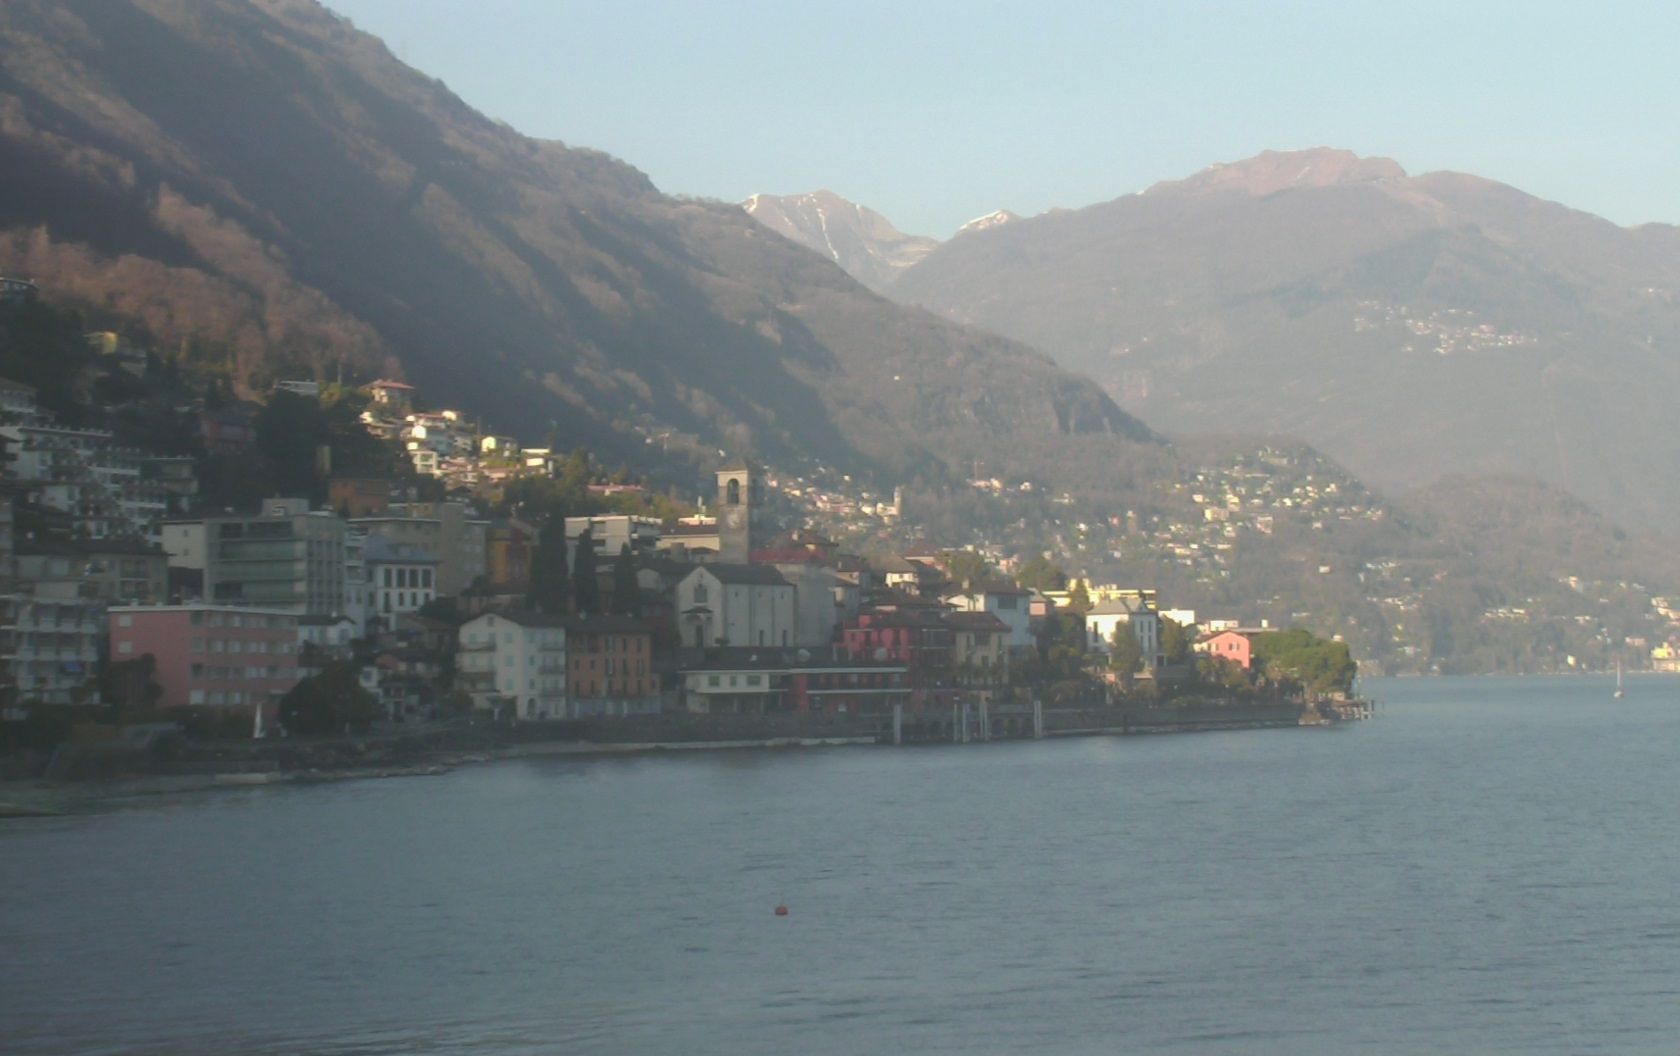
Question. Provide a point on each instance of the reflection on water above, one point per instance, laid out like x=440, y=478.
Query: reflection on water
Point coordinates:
x=1486, y=867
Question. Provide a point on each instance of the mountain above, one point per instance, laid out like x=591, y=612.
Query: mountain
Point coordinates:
x=981, y=223
x=1409, y=326
x=268, y=192
x=868, y=247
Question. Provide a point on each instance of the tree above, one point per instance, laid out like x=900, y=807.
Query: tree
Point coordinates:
x=289, y=429
x=1125, y=654
x=1320, y=665
x=328, y=703
x=966, y=566
x=1079, y=599
x=1061, y=648
x=627, y=592
x=1223, y=673
x=130, y=684
x=1037, y=573
x=576, y=472
x=1175, y=641
x=586, y=588
x=551, y=588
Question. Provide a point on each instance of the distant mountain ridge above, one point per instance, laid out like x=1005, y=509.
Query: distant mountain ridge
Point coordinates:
x=1409, y=326
x=863, y=242
x=269, y=190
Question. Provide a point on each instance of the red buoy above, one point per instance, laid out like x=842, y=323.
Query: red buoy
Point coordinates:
x=781, y=911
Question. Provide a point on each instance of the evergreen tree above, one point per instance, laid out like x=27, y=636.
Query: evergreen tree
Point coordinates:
x=627, y=593
x=1039, y=573
x=1125, y=654
x=1079, y=599
x=328, y=703
x=1175, y=641
x=550, y=589
x=586, y=588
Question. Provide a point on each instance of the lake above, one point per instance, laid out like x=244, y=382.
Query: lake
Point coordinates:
x=1488, y=866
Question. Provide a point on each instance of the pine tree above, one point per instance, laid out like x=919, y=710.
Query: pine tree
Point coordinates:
x=550, y=588
x=586, y=588
x=627, y=593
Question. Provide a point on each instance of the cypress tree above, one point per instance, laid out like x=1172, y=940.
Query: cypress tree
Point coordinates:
x=627, y=593
x=550, y=585
x=586, y=589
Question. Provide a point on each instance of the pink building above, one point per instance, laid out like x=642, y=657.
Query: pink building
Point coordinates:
x=220, y=656
x=1233, y=646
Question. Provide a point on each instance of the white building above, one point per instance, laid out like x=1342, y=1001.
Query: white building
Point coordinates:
x=730, y=604
x=610, y=532
x=183, y=541
x=1006, y=601
x=516, y=660
x=56, y=635
x=401, y=578
x=1137, y=616
x=818, y=597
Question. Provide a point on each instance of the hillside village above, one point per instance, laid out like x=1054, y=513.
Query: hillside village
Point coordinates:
x=460, y=584
x=468, y=573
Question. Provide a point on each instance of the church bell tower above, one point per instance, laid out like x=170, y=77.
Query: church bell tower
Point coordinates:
x=739, y=501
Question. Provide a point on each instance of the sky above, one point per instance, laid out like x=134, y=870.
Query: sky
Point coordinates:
x=936, y=112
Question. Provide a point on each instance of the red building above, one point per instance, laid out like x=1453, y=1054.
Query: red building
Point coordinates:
x=917, y=639
x=218, y=656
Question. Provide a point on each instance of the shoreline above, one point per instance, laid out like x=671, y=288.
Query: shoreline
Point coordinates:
x=48, y=798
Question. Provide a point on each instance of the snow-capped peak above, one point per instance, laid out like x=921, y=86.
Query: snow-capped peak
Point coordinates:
x=980, y=223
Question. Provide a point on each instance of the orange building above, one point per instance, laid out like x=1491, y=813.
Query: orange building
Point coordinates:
x=507, y=559
x=358, y=496
x=609, y=667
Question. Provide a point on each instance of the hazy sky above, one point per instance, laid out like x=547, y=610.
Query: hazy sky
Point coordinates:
x=937, y=112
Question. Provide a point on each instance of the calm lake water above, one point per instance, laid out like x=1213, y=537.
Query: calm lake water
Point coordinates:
x=1490, y=866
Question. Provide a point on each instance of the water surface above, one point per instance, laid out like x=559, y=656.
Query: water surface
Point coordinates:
x=1488, y=867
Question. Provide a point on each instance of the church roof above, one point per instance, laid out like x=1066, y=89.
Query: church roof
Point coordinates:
x=750, y=575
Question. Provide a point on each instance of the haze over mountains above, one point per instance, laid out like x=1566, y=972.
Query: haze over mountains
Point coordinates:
x=262, y=181
x=860, y=240
x=1411, y=327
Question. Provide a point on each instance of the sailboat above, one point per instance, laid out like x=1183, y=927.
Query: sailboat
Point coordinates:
x=1620, y=692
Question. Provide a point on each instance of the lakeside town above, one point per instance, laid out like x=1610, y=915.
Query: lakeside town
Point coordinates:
x=459, y=586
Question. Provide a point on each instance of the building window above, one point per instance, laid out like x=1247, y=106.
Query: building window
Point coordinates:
x=125, y=648
x=125, y=620
x=732, y=492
